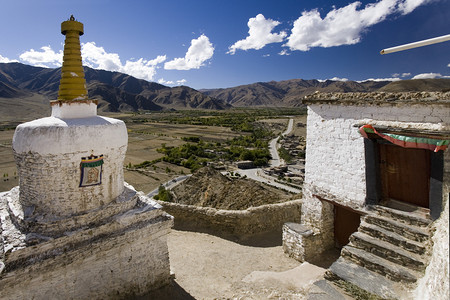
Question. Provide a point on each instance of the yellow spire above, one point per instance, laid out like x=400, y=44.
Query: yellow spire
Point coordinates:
x=73, y=84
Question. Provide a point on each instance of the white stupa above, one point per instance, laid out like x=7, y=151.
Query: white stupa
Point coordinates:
x=49, y=151
x=74, y=229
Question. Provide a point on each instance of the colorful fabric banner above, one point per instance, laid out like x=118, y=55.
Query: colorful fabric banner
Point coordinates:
x=91, y=170
x=407, y=141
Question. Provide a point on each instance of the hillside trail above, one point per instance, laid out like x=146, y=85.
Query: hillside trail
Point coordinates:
x=209, y=267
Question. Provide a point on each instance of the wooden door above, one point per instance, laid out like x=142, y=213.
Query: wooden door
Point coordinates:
x=405, y=174
x=346, y=222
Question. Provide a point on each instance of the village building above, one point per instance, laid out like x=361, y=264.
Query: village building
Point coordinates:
x=244, y=164
x=74, y=229
x=377, y=186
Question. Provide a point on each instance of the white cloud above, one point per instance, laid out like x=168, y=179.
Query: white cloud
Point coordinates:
x=284, y=52
x=95, y=57
x=448, y=65
x=171, y=82
x=165, y=82
x=144, y=69
x=6, y=60
x=403, y=75
x=333, y=79
x=181, y=82
x=380, y=79
x=407, y=6
x=429, y=76
x=47, y=58
x=260, y=34
x=198, y=53
x=343, y=26
x=339, y=79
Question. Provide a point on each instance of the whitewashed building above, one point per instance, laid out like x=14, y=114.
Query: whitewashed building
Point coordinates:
x=377, y=185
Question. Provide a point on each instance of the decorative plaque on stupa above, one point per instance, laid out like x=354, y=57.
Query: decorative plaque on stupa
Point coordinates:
x=91, y=170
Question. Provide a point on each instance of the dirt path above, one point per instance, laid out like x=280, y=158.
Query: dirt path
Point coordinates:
x=208, y=267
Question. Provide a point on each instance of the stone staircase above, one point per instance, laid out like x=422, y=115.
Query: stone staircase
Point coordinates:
x=387, y=254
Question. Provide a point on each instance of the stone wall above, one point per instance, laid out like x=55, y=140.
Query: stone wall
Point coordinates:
x=435, y=283
x=381, y=97
x=300, y=242
x=52, y=198
x=236, y=224
x=123, y=255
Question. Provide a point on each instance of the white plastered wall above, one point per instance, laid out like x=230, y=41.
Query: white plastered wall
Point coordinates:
x=48, y=153
x=335, y=157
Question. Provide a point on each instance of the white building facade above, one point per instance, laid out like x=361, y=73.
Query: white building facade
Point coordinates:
x=349, y=171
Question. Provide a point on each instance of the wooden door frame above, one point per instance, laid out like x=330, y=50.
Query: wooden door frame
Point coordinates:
x=373, y=177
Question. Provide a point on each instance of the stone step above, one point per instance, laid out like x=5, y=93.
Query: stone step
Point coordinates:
x=356, y=276
x=408, y=214
x=412, y=232
x=326, y=290
x=387, y=251
x=392, y=238
x=379, y=265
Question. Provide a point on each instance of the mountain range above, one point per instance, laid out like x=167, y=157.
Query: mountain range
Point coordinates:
x=118, y=92
x=115, y=91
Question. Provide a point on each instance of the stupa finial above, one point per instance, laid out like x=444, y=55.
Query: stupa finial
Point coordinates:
x=73, y=84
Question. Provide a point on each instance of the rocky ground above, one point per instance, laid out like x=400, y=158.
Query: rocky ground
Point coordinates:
x=209, y=188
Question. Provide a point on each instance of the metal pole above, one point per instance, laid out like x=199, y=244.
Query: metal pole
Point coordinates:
x=435, y=40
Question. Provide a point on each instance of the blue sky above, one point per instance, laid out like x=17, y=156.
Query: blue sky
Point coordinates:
x=218, y=43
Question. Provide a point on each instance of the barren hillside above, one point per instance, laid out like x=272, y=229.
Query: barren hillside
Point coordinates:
x=209, y=188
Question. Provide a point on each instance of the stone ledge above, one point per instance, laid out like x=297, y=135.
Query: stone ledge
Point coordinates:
x=126, y=201
x=299, y=229
x=300, y=242
x=379, y=98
